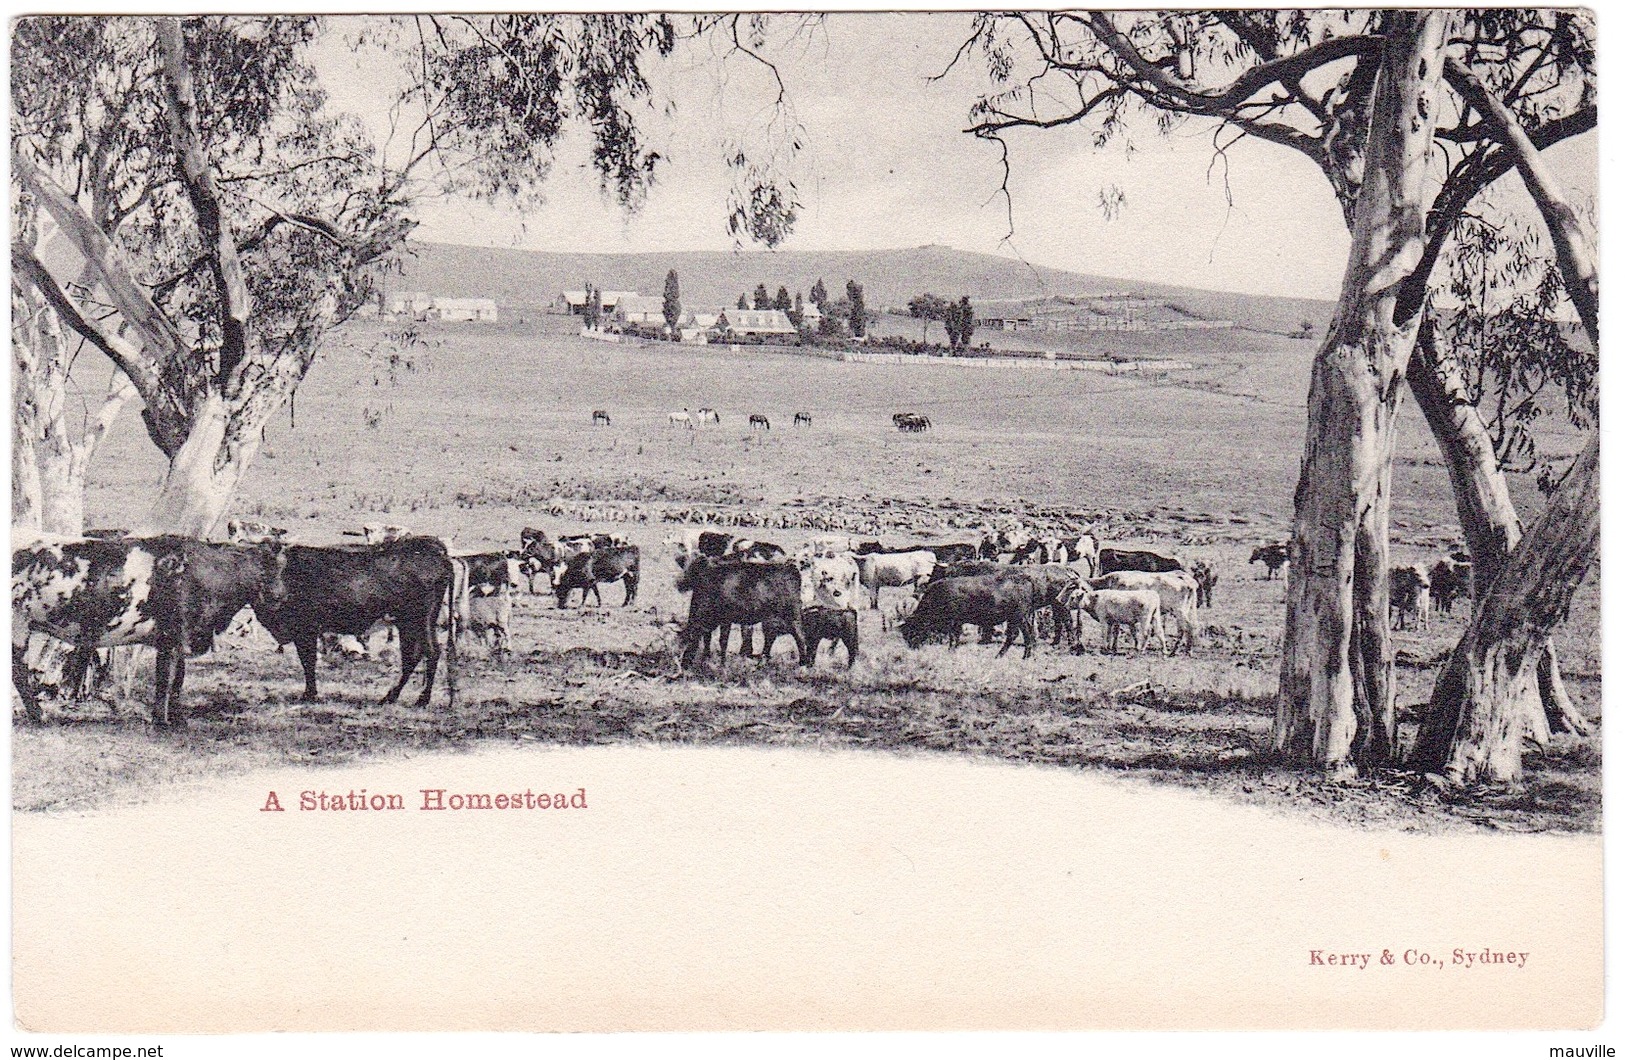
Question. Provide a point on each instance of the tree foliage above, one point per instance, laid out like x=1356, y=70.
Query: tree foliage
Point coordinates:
x=857, y=316
x=672, y=303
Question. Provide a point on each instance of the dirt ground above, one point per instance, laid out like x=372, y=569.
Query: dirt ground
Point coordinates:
x=488, y=432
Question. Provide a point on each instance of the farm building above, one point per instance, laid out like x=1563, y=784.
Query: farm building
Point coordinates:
x=461, y=309
x=575, y=302
x=641, y=315
x=767, y=326
x=411, y=303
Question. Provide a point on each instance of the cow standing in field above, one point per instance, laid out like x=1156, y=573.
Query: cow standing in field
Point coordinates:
x=829, y=596
x=1137, y=610
x=586, y=570
x=723, y=594
x=537, y=554
x=1176, y=595
x=1273, y=556
x=1140, y=559
x=1450, y=580
x=349, y=588
x=1409, y=595
x=174, y=593
x=896, y=569
x=1206, y=578
x=981, y=600
x=486, y=584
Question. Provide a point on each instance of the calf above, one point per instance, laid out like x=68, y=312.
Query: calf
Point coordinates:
x=982, y=600
x=746, y=593
x=818, y=624
x=585, y=570
x=1176, y=594
x=486, y=584
x=1141, y=559
x=1272, y=556
x=348, y=588
x=171, y=592
x=1138, y=610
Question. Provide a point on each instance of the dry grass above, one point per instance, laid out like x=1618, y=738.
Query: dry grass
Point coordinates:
x=491, y=433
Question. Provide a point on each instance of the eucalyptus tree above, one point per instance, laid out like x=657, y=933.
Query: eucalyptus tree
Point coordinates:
x=1374, y=98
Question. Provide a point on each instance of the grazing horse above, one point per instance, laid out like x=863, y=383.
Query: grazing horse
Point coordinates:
x=803, y=419
x=710, y=416
x=680, y=419
x=912, y=422
x=759, y=420
x=600, y=416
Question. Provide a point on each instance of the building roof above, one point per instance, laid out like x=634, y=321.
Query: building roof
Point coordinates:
x=769, y=321
x=608, y=299
x=633, y=304
x=465, y=303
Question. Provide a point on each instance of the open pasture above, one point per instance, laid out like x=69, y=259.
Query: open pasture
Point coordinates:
x=491, y=430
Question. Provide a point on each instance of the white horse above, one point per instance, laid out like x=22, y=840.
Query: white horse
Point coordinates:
x=680, y=419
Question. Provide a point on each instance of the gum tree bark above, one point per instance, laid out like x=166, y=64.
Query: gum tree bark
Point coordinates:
x=1335, y=707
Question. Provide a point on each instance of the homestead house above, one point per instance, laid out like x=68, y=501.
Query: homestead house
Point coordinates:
x=762, y=326
x=410, y=303
x=574, y=303
x=461, y=309
x=641, y=315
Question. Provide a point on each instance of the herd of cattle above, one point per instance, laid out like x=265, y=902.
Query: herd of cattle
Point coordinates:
x=177, y=594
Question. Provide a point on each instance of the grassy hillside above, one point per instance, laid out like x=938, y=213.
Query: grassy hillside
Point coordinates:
x=524, y=280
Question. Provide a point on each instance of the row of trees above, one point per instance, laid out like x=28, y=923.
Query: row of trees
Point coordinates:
x=836, y=317
x=1411, y=117
x=958, y=319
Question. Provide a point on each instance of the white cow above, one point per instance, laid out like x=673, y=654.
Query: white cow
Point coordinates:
x=1140, y=610
x=830, y=582
x=1175, y=589
x=828, y=545
x=897, y=569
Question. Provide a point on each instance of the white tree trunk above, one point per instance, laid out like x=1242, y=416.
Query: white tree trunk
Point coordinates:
x=1335, y=707
x=203, y=474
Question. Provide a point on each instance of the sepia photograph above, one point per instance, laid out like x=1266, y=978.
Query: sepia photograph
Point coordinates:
x=806, y=522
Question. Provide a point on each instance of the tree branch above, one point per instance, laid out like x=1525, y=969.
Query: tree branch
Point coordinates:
x=199, y=181
x=135, y=364
x=1574, y=254
x=158, y=335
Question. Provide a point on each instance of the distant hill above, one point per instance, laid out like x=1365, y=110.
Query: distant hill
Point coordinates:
x=527, y=281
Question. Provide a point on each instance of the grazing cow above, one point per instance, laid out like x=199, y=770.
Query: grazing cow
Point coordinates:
x=802, y=419
x=600, y=417
x=1142, y=559
x=746, y=593
x=898, y=569
x=1409, y=595
x=250, y=532
x=709, y=416
x=1206, y=578
x=1272, y=556
x=818, y=624
x=607, y=563
x=982, y=600
x=175, y=593
x=348, y=588
x=759, y=420
x=1138, y=610
x=1450, y=580
x=680, y=419
x=1176, y=592
x=486, y=584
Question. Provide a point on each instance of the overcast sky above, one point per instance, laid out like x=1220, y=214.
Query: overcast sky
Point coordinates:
x=887, y=165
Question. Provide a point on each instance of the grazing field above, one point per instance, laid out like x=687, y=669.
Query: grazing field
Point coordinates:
x=489, y=430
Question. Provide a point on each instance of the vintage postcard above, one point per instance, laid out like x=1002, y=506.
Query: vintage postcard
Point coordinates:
x=1052, y=521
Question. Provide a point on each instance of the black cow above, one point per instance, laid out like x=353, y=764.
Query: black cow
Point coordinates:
x=601, y=563
x=818, y=624
x=175, y=593
x=1143, y=559
x=1206, y=578
x=347, y=589
x=981, y=600
x=745, y=593
x=1451, y=580
x=1273, y=557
